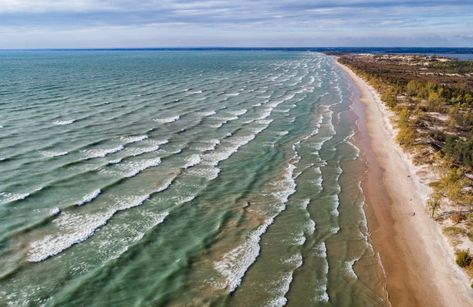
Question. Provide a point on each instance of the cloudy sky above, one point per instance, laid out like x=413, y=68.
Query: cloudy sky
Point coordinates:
x=186, y=23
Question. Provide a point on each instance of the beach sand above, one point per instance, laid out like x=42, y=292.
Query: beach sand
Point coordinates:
x=417, y=259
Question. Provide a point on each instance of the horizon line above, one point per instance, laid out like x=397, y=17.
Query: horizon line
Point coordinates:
x=234, y=48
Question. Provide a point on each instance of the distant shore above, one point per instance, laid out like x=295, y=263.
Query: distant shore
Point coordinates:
x=417, y=260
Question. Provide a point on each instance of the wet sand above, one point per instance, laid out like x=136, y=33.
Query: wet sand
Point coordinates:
x=417, y=260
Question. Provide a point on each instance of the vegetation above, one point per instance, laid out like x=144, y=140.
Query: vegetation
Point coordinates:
x=433, y=100
x=463, y=259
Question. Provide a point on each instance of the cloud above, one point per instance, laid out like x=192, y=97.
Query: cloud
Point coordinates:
x=256, y=20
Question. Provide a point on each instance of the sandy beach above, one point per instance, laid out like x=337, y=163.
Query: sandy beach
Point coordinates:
x=417, y=259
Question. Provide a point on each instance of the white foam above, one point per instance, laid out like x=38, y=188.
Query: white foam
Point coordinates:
x=321, y=249
x=89, y=197
x=310, y=227
x=63, y=122
x=134, y=139
x=74, y=227
x=349, y=268
x=135, y=167
x=238, y=112
x=166, y=184
x=236, y=262
x=149, y=146
x=192, y=161
x=216, y=126
x=100, y=153
x=155, y=218
x=207, y=113
x=232, y=94
x=166, y=120
x=225, y=119
x=282, y=133
x=283, y=283
x=51, y=154
x=321, y=294
x=282, y=110
x=12, y=197
x=55, y=211
x=205, y=171
x=299, y=238
x=116, y=161
x=335, y=202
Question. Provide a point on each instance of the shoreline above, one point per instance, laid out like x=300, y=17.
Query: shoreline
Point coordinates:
x=417, y=259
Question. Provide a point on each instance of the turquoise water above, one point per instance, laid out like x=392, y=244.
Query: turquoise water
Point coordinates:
x=146, y=178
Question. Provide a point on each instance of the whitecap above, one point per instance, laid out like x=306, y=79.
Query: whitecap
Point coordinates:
x=89, y=197
x=51, y=154
x=12, y=197
x=207, y=113
x=135, y=167
x=63, y=122
x=232, y=94
x=236, y=262
x=192, y=161
x=167, y=120
x=100, y=153
x=238, y=112
x=74, y=227
x=349, y=268
x=134, y=139
x=55, y=211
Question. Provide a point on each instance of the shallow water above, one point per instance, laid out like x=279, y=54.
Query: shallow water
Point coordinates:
x=185, y=177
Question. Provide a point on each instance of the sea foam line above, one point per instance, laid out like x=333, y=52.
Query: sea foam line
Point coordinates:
x=75, y=228
x=236, y=262
x=89, y=197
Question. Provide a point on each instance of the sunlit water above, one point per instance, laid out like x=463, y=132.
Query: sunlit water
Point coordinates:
x=138, y=178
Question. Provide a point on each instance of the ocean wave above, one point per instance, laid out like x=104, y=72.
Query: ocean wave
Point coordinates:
x=134, y=139
x=299, y=238
x=89, y=197
x=63, y=122
x=100, y=153
x=149, y=146
x=238, y=112
x=135, y=167
x=281, y=133
x=207, y=145
x=232, y=94
x=236, y=262
x=55, y=211
x=155, y=220
x=217, y=125
x=321, y=293
x=116, y=161
x=74, y=228
x=192, y=161
x=8, y=197
x=207, y=172
x=52, y=154
x=207, y=113
x=166, y=120
x=349, y=268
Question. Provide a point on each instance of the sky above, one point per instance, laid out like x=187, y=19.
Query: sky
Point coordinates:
x=240, y=23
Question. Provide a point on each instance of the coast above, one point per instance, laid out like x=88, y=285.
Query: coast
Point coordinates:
x=416, y=257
